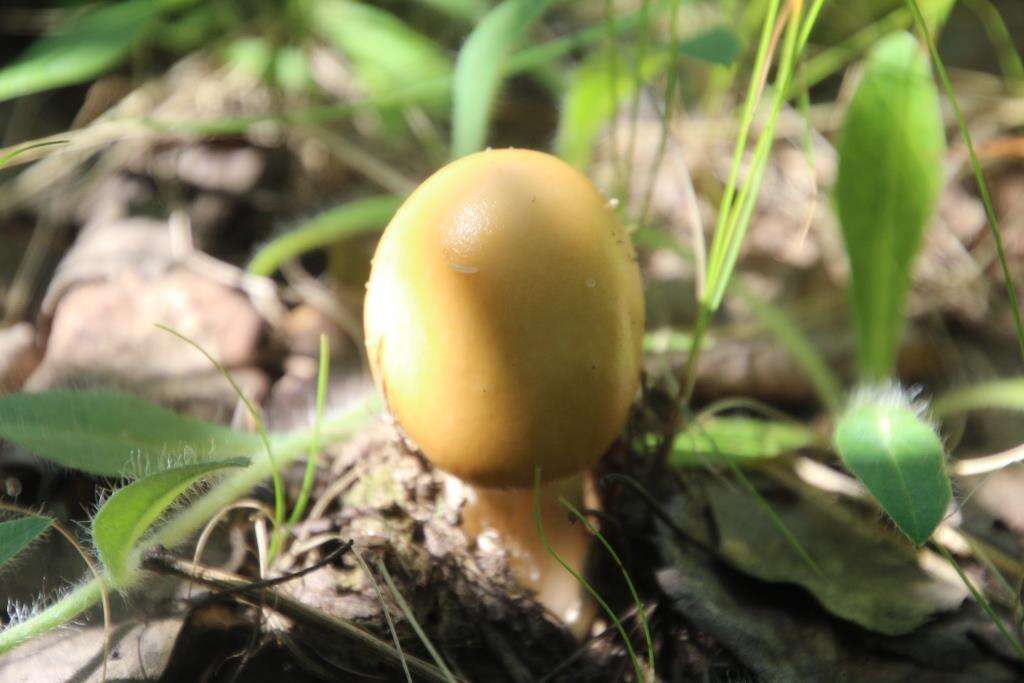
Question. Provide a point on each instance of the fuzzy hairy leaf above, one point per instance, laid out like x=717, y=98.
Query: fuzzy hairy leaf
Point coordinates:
x=16, y=534
x=109, y=434
x=739, y=439
x=901, y=460
x=890, y=173
x=130, y=511
x=96, y=40
x=480, y=68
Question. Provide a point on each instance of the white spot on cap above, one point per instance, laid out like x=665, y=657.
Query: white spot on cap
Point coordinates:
x=591, y=283
x=613, y=203
x=461, y=268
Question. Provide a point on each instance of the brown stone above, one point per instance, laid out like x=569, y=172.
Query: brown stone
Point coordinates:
x=104, y=333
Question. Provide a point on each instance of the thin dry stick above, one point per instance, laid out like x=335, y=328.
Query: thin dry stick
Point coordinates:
x=262, y=594
x=988, y=463
x=204, y=536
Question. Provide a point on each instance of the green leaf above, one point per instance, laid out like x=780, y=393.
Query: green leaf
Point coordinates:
x=718, y=45
x=480, y=68
x=16, y=534
x=251, y=55
x=93, y=42
x=386, y=53
x=130, y=511
x=900, y=460
x=873, y=578
x=590, y=102
x=292, y=71
x=108, y=434
x=593, y=99
x=738, y=439
x=348, y=220
x=890, y=173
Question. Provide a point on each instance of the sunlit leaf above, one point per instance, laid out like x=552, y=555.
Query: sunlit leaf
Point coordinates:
x=900, y=460
x=357, y=217
x=592, y=99
x=481, y=66
x=890, y=172
x=130, y=511
x=95, y=41
x=108, y=434
x=251, y=55
x=292, y=72
x=739, y=439
x=387, y=54
x=16, y=534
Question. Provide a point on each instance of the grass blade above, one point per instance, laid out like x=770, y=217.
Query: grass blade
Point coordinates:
x=640, y=612
x=387, y=54
x=21, y=150
x=261, y=431
x=999, y=394
x=990, y=212
x=999, y=35
x=387, y=613
x=981, y=600
x=612, y=616
x=481, y=66
x=130, y=511
x=411, y=618
x=357, y=217
x=111, y=434
x=96, y=40
x=314, y=442
x=587, y=106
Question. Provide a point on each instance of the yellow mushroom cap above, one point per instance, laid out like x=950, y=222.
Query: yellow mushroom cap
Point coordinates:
x=504, y=319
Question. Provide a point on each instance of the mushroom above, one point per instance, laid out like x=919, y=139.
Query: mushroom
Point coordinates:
x=503, y=322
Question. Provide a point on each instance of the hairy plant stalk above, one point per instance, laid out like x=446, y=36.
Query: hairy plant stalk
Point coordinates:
x=287, y=447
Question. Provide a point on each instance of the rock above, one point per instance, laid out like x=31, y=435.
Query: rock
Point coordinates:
x=137, y=651
x=18, y=356
x=104, y=333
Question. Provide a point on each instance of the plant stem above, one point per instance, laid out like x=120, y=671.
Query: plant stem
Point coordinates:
x=980, y=599
x=690, y=372
x=182, y=526
x=314, y=443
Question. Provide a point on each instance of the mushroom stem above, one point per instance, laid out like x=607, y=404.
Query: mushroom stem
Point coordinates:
x=506, y=516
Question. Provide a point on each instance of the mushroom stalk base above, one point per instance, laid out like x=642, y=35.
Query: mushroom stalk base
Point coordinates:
x=506, y=517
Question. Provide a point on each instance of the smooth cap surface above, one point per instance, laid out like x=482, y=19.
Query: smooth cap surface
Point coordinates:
x=504, y=318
